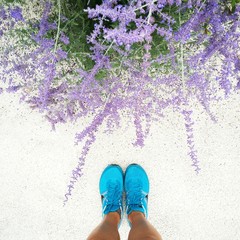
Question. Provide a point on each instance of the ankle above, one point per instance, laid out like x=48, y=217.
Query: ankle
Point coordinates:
x=136, y=216
x=113, y=217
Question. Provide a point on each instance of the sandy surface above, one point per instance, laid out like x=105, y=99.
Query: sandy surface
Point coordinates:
x=36, y=164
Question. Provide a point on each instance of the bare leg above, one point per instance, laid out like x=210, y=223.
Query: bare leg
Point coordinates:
x=107, y=229
x=141, y=228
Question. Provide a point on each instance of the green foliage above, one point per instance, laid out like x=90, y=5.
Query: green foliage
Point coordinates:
x=102, y=73
x=233, y=5
x=77, y=27
x=230, y=5
x=13, y=1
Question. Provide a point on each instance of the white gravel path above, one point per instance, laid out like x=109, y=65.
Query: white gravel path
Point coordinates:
x=36, y=164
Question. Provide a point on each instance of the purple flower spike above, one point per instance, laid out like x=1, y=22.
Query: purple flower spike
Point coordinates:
x=238, y=84
x=13, y=89
x=61, y=54
x=64, y=39
x=190, y=139
x=3, y=14
x=16, y=13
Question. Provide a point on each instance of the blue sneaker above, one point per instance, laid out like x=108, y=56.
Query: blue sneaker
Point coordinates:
x=111, y=190
x=137, y=188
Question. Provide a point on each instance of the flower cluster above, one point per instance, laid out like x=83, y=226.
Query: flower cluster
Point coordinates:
x=13, y=15
x=149, y=56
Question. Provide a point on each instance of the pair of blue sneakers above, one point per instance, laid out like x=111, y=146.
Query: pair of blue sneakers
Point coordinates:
x=113, y=183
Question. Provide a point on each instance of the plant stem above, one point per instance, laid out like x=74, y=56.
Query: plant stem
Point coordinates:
x=182, y=61
x=59, y=21
x=145, y=5
x=150, y=12
x=108, y=48
x=201, y=6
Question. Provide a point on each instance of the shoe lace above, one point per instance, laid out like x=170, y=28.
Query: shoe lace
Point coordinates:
x=135, y=195
x=113, y=195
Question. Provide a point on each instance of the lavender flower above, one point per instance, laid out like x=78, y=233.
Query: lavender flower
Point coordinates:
x=238, y=84
x=45, y=25
x=3, y=14
x=64, y=39
x=16, y=13
x=77, y=172
x=134, y=83
x=12, y=89
x=190, y=139
x=139, y=132
x=61, y=54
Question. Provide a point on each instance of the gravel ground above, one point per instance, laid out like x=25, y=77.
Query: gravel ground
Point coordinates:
x=36, y=164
